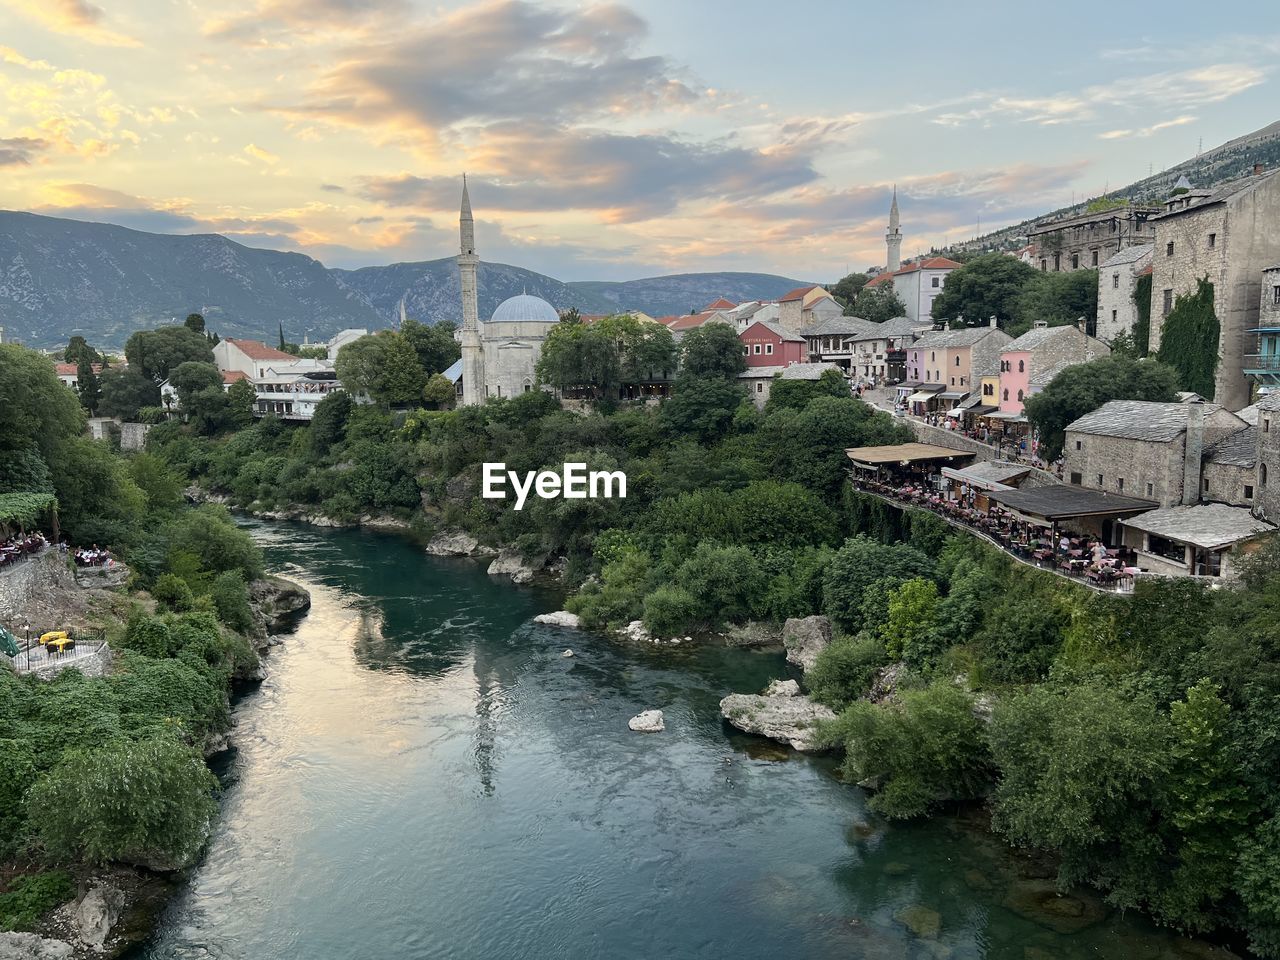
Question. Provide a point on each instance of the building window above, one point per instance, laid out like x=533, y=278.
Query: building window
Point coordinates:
x=1248, y=491
x=1019, y=396
x=953, y=381
x=1168, y=303
x=768, y=349
x=755, y=348
x=1022, y=366
x=1077, y=479
x=1006, y=393
x=935, y=282
x=1079, y=445
x=1204, y=485
x=1115, y=281
x=759, y=388
x=1275, y=294
x=1057, y=262
x=1151, y=490
x=1075, y=261
x=1262, y=474
x=1266, y=424
x=1120, y=484
x=1114, y=316
x=1168, y=249
x=1099, y=481
x=1213, y=240
x=957, y=361
x=933, y=355
x=1044, y=265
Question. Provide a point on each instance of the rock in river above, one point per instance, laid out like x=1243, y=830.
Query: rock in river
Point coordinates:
x=648, y=722
x=782, y=688
x=97, y=913
x=561, y=618
x=790, y=719
x=1040, y=900
x=28, y=946
x=805, y=638
x=922, y=921
x=455, y=543
x=511, y=563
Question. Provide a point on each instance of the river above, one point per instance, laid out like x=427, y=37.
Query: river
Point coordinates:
x=423, y=775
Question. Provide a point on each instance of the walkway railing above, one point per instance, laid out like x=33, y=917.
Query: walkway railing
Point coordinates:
x=1094, y=580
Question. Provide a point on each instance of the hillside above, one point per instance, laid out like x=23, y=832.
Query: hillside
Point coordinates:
x=60, y=277
x=682, y=293
x=1233, y=159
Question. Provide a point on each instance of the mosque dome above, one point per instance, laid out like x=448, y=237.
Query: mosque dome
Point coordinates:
x=525, y=308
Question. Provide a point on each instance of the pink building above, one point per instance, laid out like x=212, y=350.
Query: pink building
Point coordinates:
x=769, y=344
x=1030, y=362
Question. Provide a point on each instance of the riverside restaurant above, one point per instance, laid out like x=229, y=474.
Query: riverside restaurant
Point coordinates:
x=1072, y=531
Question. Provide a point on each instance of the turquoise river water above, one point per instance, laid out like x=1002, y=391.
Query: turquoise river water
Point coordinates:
x=424, y=776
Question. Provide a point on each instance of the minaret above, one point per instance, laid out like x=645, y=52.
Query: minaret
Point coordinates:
x=472, y=352
x=893, y=239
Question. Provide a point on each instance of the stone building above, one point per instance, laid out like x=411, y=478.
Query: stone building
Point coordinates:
x=1267, y=503
x=806, y=307
x=1117, y=280
x=1155, y=451
x=1087, y=240
x=1031, y=361
x=1229, y=236
x=1263, y=365
x=958, y=359
x=500, y=358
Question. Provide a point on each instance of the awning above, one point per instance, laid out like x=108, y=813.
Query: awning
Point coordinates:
x=1066, y=502
x=921, y=397
x=1008, y=416
x=979, y=411
x=989, y=475
x=953, y=394
x=903, y=454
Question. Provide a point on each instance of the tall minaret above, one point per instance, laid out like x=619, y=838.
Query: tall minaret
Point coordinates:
x=893, y=239
x=472, y=352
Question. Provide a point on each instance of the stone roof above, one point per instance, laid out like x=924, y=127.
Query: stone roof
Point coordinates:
x=1129, y=255
x=901, y=326
x=1270, y=402
x=1239, y=449
x=809, y=371
x=966, y=337
x=1137, y=420
x=1210, y=526
x=839, y=326
x=454, y=371
x=1222, y=194
x=752, y=373
x=774, y=327
x=1044, y=377
x=1037, y=337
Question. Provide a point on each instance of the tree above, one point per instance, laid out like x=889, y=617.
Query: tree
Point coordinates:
x=701, y=407
x=848, y=287
x=148, y=801
x=877, y=304
x=1189, y=340
x=909, y=631
x=78, y=349
x=87, y=386
x=1056, y=298
x=154, y=353
x=795, y=394
x=241, y=402
x=1084, y=387
x=986, y=286
x=434, y=344
x=1142, y=326
x=712, y=350
x=194, y=323
x=191, y=377
x=385, y=366
x=606, y=354
x=439, y=392
x=329, y=424
x=125, y=392
x=856, y=566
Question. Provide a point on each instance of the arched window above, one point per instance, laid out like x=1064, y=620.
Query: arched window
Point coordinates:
x=1262, y=474
x=1022, y=367
x=1019, y=396
x=957, y=361
x=1006, y=393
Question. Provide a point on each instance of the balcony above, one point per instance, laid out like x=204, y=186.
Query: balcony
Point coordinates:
x=1262, y=362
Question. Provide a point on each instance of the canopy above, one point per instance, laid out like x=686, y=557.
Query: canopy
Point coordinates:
x=921, y=397
x=1211, y=526
x=1046, y=505
x=903, y=454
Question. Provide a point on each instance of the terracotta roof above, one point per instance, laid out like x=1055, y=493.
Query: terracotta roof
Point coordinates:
x=933, y=263
x=799, y=293
x=691, y=321
x=233, y=376
x=70, y=369
x=881, y=278
x=719, y=304
x=257, y=350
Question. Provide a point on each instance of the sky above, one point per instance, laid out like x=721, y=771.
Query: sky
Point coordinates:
x=608, y=140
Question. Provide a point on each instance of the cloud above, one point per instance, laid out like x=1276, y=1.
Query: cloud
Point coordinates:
x=1147, y=131
x=76, y=17
x=10, y=55
x=20, y=151
x=283, y=23
x=622, y=177
x=261, y=155
x=500, y=61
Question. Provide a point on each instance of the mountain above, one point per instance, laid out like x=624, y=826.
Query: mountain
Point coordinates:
x=1230, y=160
x=683, y=292
x=59, y=277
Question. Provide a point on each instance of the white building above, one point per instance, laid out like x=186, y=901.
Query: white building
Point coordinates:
x=250, y=357
x=918, y=284
x=342, y=338
x=284, y=385
x=1117, y=279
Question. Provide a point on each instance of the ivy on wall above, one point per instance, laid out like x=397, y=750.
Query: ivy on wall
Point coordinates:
x=1142, y=326
x=1189, y=340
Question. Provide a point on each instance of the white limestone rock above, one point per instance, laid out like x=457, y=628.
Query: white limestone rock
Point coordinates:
x=511, y=563
x=789, y=719
x=805, y=638
x=28, y=946
x=97, y=913
x=561, y=618
x=648, y=722
x=782, y=688
x=567, y=654
x=452, y=543
x=635, y=631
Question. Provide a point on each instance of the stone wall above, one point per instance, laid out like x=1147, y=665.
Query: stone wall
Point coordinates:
x=1117, y=311
x=1150, y=470
x=133, y=436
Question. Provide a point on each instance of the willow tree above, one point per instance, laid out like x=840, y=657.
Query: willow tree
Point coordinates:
x=1189, y=340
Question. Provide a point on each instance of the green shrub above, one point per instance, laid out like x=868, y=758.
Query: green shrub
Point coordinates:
x=231, y=598
x=172, y=593
x=845, y=669
x=30, y=897
x=670, y=610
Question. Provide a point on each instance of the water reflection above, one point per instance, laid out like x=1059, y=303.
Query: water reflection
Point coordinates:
x=424, y=776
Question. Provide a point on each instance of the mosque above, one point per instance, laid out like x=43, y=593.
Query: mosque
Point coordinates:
x=499, y=356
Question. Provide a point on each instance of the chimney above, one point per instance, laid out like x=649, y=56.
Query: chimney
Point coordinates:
x=992, y=322
x=1040, y=325
x=1257, y=169
x=946, y=324
x=1194, y=452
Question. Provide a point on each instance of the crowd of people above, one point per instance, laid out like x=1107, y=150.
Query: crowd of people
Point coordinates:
x=93, y=557
x=14, y=549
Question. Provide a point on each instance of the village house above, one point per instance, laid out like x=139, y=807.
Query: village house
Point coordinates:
x=1117, y=281
x=1263, y=365
x=1154, y=450
x=767, y=344
x=284, y=385
x=679, y=325
x=1087, y=240
x=806, y=307
x=1229, y=235
x=745, y=314
x=1035, y=358
x=69, y=373
x=918, y=284
x=958, y=359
